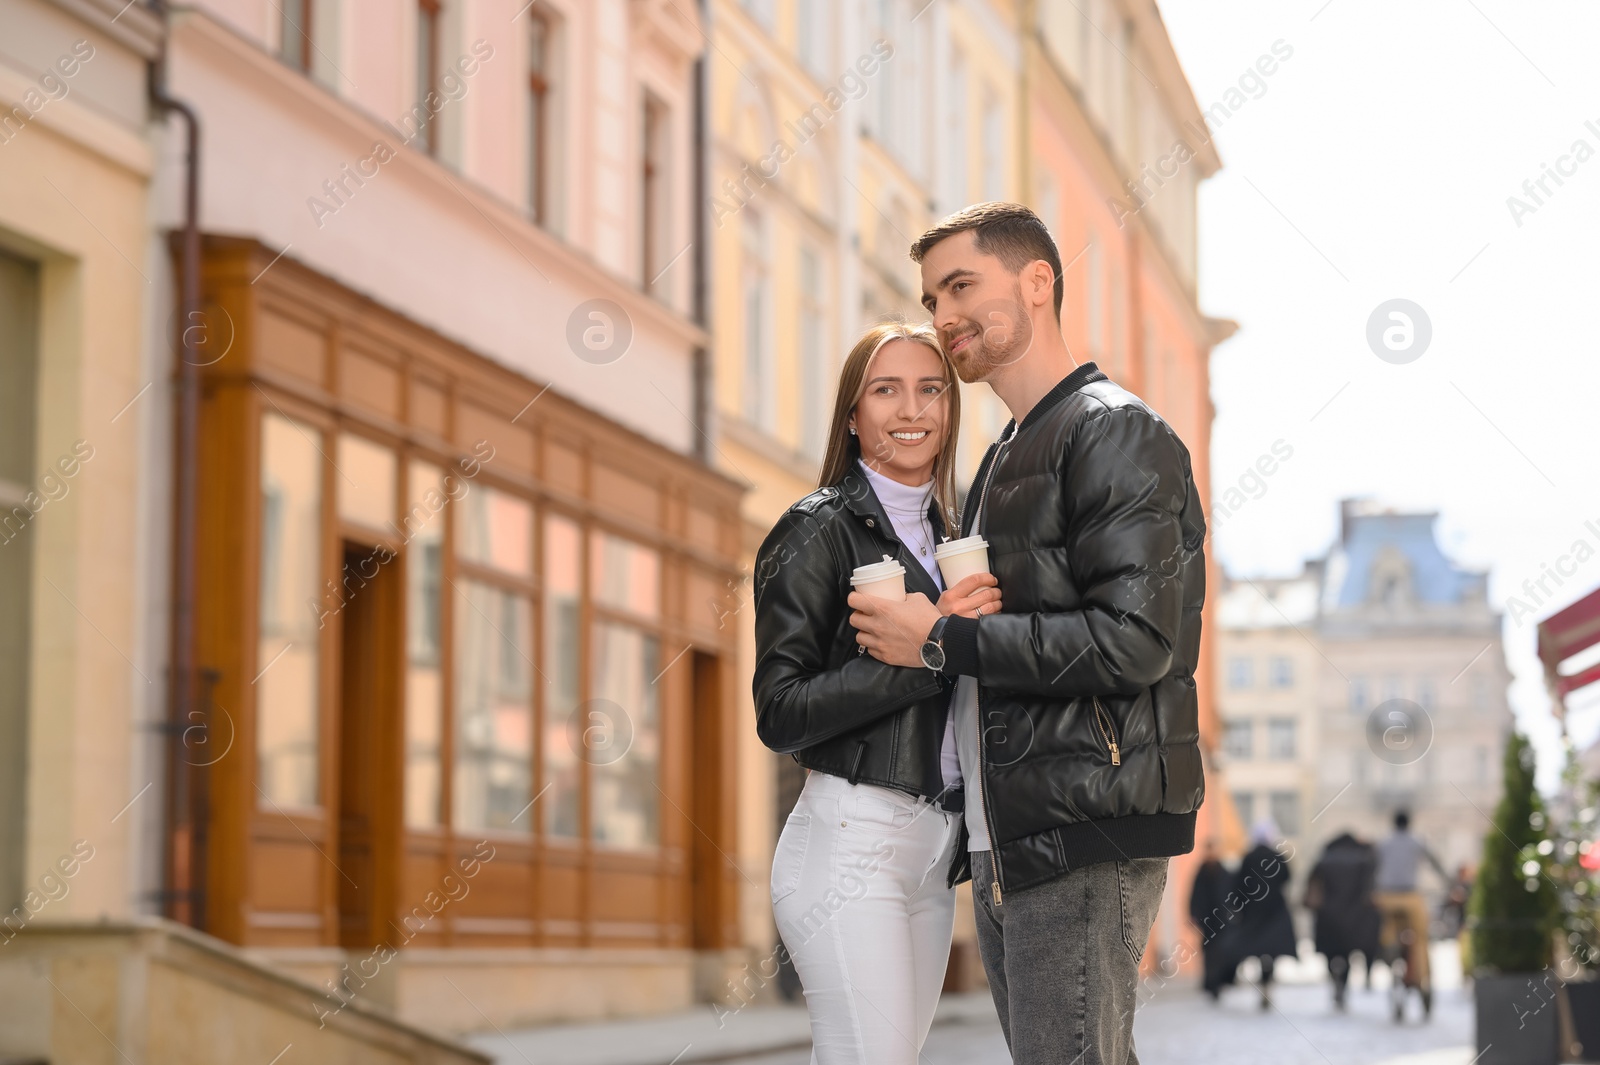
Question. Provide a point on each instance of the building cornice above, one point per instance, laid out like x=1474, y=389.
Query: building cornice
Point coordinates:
x=673, y=28
x=84, y=127
x=130, y=24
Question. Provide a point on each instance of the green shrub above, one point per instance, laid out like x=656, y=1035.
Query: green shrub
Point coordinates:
x=1513, y=909
x=1572, y=839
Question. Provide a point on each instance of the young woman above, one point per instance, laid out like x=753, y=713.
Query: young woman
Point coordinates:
x=861, y=878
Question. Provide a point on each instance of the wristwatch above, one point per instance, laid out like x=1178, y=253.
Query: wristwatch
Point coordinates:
x=932, y=648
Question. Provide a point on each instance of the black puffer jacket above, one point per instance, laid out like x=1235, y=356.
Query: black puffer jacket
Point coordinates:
x=1086, y=691
x=818, y=695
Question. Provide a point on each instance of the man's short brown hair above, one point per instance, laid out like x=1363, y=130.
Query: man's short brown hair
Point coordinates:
x=1011, y=232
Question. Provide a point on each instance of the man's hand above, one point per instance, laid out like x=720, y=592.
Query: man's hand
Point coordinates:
x=971, y=595
x=893, y=632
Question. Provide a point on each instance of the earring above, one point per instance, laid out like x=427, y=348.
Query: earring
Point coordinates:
x=852, y=430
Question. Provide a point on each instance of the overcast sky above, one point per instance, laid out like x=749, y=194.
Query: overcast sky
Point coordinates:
x=1376, y=164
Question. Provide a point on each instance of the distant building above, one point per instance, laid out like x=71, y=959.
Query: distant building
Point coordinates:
x=1407, y=633
x=1403, y=703
x=1267, y=698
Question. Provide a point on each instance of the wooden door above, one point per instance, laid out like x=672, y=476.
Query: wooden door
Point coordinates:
x=370, y=727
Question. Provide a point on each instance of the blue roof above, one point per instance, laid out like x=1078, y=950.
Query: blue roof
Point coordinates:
x=1368, y=538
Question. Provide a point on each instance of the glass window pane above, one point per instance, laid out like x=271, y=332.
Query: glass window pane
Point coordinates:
x=624, y=575
x=494, y=738
x=625, y=802
x=1237, y=738
x=1280, y=738
x=424, y=533
x=1245, y=803
x=495, y=529
x=562, y=548
x=286, y=650
x=1285, y=807
x=365, y=484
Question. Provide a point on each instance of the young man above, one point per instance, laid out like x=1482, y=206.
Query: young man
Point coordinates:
x=1405, y=911
x=1078, y=731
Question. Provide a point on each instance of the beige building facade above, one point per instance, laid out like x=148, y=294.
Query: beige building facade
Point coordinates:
x=78, y=305
x=1269, y=686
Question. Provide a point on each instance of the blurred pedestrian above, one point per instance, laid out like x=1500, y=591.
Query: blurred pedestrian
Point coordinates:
x=1209, y=910
x=1453, y=915
x=1265, y=929
x=1405, y=913
x=1339, y=894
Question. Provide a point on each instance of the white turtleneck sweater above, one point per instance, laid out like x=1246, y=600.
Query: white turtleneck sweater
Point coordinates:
x=907, y=507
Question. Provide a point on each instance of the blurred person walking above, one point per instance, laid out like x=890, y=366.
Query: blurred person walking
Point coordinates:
x=1265, y=927
x=1405, y=912
x=1210, y=914
x=1453, y=914
x=1339, y=894
x=862, y=877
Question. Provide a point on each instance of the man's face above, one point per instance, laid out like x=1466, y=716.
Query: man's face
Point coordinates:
x=976, y=305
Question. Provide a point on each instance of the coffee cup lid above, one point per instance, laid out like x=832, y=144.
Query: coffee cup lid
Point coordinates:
x=877, y=571
x=955, y=547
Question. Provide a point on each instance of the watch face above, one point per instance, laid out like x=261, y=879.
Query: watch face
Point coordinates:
x=932, y=655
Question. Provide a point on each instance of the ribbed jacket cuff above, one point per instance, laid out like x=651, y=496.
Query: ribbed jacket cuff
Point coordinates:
x=961, y=646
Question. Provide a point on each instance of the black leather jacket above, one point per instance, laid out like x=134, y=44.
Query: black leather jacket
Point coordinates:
x=1090, y=736
x=818, y=696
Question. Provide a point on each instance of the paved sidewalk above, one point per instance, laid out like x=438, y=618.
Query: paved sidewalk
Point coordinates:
x=1176, y=1024
x=702, y=1034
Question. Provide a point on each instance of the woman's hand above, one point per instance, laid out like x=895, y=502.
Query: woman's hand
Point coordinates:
x=972, y=594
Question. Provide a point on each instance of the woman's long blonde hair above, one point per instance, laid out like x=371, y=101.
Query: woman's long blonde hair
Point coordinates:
x=844, y=448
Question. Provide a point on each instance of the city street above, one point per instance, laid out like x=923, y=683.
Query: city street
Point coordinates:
x=1177, y=1025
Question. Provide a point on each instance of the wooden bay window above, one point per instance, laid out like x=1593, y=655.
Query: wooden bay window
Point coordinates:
x=441, y=633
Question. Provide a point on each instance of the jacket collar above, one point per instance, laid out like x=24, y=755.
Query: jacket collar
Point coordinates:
x=862, y=501
x=1083, y=375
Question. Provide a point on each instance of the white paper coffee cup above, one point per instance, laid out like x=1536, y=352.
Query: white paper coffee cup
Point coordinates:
x=959, y=559
x=885, y=580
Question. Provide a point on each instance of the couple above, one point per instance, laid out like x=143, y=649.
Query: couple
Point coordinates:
x=1044, y=744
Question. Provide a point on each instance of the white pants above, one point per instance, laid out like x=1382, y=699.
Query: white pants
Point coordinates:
x=858, y=890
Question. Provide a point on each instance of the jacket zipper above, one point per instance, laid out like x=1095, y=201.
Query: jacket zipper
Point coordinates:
x=1107, y=731
x=983, y=782
x=983, y=789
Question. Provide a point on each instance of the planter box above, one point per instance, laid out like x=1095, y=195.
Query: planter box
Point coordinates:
x=1518, y=1019
x=1583, y=1000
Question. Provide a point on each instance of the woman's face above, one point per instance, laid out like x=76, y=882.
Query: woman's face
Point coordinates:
x=900, y=418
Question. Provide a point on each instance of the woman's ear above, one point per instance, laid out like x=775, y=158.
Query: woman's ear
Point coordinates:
x=852, y=423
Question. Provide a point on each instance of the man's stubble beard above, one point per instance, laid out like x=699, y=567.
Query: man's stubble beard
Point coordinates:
x=979, y=359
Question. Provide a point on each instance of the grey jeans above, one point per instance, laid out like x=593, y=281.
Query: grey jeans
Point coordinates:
x=1063, y=959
